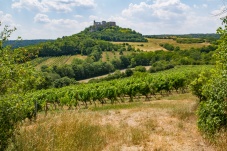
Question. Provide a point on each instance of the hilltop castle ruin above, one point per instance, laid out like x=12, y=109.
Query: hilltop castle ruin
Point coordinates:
x=104, y=23
x=96, y=25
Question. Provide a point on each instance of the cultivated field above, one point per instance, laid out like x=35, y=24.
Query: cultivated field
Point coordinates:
x=110, y=55
x=57, y=60
x=153, y=44
x=165, y=123
x=106, y=56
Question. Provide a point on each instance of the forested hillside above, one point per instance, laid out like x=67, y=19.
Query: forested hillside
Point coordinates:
x=22, y=43
x=114, y=33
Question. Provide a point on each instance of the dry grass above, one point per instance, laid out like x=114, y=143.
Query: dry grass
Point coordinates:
x=153, y=44
x=110, y=55
x=156, y=125
x=59, y=60
x=221, y=143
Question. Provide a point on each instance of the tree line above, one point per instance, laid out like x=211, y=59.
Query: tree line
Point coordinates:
x=158, y=60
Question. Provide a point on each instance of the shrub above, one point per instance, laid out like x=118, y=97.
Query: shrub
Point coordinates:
x=140, y=69
x=212, y=111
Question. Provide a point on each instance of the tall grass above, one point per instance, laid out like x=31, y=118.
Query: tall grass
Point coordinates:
x=64, y=132
x=79, y=132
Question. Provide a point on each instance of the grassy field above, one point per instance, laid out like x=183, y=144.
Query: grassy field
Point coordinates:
x=153, y=44
x=167, y=123
x=51, y=61
x=110, y=55
x=57, y=60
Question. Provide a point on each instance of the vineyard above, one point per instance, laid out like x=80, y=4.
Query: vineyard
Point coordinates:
x=55, y=61
x=141, y=85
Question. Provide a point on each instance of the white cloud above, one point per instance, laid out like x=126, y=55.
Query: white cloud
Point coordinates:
x=41, y=18
x=221, y=12
x=204, y=6
x=44, y=19
x=159, y=10
x=30, y=5
x=92, y=17
x=6, y=18
x=166, y=17
x=78, y=16
x=53, y=28
x=52, y=5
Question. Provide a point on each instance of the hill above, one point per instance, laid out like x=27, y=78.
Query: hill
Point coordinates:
x=91, y=41
x=23, y=43
x=112, y=32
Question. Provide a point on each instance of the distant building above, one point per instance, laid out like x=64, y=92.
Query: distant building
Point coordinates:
x=102, y=24
x=112, y=23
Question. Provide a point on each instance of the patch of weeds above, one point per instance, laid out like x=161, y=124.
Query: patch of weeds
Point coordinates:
x=65, y=132
x=184, y=96
x=150, y=124
x=182, y=113
x=180, y=125
x=138, y=136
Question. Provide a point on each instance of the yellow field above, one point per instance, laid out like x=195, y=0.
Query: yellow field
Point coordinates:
x=106, y=56
x=153, y=44
x=59, y=60
x=109, y=55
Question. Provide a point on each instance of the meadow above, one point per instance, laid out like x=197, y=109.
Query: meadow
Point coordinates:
x=154, y=44
x=165, y=123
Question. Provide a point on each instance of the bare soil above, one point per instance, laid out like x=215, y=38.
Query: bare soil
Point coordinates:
x=167, y=131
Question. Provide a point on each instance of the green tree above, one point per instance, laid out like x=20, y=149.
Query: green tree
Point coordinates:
x=17, y=77
x=212, y=111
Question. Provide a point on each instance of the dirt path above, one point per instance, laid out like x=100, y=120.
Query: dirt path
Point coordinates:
x=169, y=129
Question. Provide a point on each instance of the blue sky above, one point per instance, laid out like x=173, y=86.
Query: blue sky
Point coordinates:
x=50, y=19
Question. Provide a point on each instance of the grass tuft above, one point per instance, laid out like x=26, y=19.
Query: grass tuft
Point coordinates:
x=67, y=132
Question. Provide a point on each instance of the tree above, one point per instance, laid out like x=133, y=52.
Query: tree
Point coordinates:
x=140, y=69
x=212, y=111
x=17, y=77
x=128, y=72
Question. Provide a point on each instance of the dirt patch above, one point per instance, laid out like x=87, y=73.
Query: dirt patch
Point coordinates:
x=160, y=125
x=166, y=132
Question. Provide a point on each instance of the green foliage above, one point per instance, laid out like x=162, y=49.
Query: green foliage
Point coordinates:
x=62, y=82
x=198, y=84
x=168, y=46
x=17, y=77
x=72, y=45
x=144, y=84
x=212, y=111
x=206, y=37
x=23, y=43
x=189, y=40
x=113, y=33
x=160, y=66
x=140, y=69
x=128, y=72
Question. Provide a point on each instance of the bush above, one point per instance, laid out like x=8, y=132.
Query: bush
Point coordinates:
x=212, y=112
x=140, y=69
x=65, y=81
x=128, y=72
